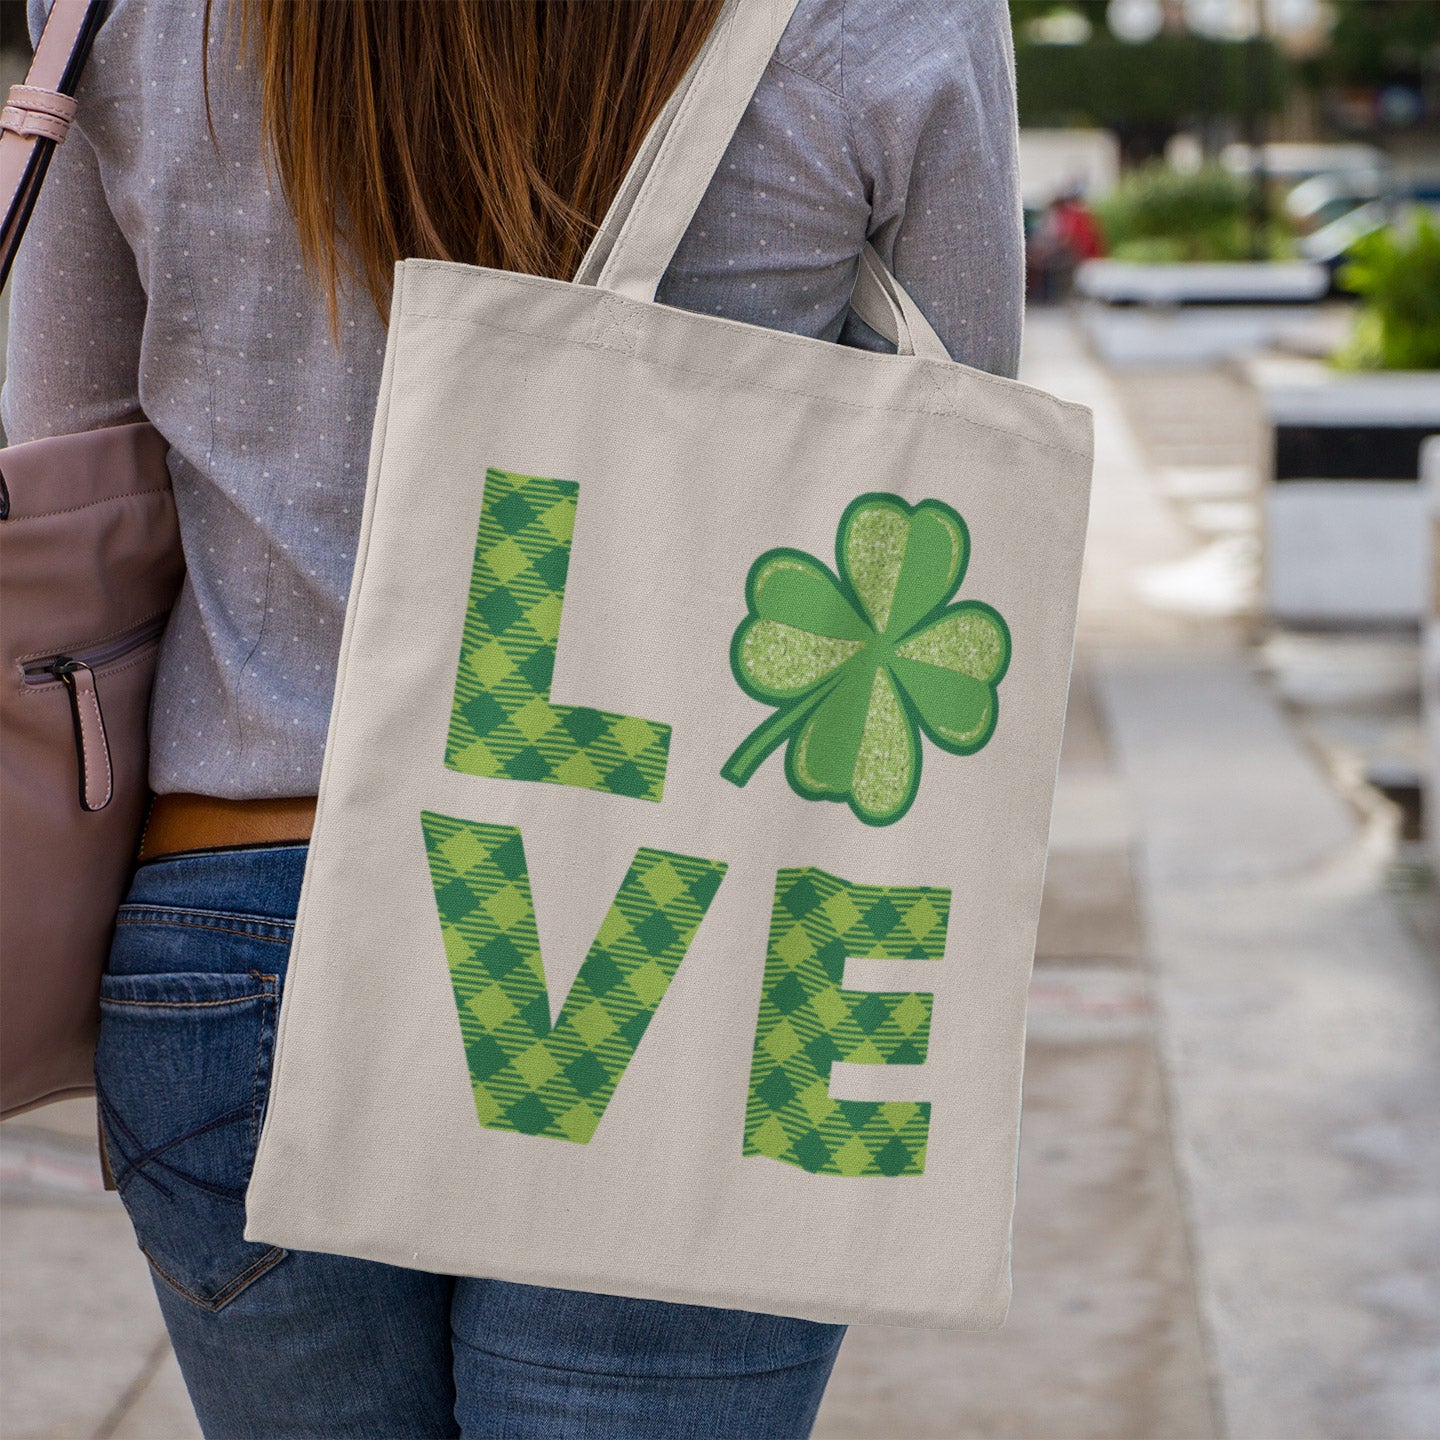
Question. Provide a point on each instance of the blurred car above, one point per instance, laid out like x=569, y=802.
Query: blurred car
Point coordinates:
x=1322, y=199
x=1330, y=244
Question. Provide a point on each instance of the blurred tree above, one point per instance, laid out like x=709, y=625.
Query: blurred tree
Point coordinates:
x=14, y=27
x=1145, y=92
x=1375, y=43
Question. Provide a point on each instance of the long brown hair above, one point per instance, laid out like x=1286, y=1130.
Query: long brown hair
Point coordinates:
x=494, y=132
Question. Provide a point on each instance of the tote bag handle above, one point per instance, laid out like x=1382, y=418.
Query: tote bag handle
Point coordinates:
x=37, y=113
x=678, y=157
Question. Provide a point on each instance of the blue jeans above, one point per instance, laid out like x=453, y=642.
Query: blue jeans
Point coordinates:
x=276, y=1343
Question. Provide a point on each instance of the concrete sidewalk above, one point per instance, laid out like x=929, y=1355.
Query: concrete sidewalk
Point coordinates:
x=1227, y=1215
x=1300, y=1028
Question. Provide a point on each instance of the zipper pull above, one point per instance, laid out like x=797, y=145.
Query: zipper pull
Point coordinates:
x=92, y=745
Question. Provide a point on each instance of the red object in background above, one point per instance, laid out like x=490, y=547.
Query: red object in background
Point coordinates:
x=1061, y=238
x=1076, y=229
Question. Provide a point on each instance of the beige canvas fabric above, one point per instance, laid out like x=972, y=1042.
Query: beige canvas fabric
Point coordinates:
x=571, y=462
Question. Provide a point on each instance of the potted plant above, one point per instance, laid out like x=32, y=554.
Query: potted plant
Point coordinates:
x=1396, y=274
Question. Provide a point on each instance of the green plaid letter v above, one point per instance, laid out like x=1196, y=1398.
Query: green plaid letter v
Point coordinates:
x=503, y=724
x=527, y=1073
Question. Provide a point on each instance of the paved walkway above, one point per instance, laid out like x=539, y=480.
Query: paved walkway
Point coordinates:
x=1229, y=1194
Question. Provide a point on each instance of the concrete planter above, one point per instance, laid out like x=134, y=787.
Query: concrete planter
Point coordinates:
x=1202, y=313
x=1345, y=528
x=1258, y=282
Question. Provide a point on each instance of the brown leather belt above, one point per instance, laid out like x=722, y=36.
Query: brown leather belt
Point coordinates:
x=180, y=821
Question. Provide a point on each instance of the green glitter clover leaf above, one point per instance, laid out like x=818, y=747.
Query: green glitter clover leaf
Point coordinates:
x=857, y=662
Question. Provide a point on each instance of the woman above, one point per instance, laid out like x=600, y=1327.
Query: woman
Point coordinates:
x=213, y=249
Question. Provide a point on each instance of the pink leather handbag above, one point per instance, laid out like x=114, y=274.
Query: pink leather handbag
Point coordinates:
x=90, y=563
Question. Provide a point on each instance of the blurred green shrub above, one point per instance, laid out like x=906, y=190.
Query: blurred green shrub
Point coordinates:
x=1158, y=215
x=1396, y=272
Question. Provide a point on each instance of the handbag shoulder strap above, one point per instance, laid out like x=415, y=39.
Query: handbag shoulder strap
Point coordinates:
x=38, y=112
x=681, y=151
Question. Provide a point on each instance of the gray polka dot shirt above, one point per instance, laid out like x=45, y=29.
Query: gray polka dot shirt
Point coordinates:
x=162, y=277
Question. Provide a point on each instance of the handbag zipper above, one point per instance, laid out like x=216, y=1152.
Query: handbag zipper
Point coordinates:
x=75, y=670
x=43, y=671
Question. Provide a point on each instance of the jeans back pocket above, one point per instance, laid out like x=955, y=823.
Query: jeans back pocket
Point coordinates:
x=182, y=1069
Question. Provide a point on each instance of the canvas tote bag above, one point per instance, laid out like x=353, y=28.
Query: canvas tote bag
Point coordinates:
x=669, y=912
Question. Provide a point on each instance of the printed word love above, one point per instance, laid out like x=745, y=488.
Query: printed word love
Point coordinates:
x=858, y=663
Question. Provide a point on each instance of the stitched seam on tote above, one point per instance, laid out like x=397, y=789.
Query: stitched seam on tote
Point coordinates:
x=776, y=389
x=611, y=320
x=699, y=318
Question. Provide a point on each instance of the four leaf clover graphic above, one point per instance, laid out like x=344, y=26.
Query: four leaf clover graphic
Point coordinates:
x=859, y=661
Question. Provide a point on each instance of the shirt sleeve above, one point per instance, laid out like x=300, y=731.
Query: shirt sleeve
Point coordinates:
x=932, y=111
x=77, y=309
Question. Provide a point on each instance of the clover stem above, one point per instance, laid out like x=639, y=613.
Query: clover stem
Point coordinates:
x=761, y=742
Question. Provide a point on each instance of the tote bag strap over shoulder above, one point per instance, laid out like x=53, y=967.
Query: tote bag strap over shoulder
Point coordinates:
x=681, y=151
